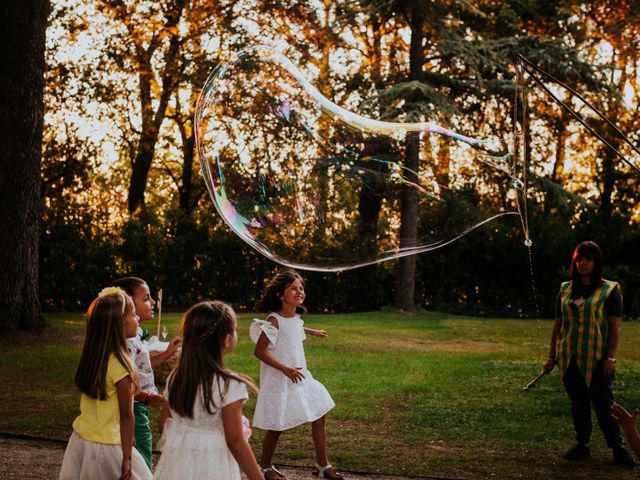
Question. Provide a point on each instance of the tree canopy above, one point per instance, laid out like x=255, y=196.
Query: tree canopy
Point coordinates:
x=120, y=174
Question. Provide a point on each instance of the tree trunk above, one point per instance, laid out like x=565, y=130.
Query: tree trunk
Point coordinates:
x=404, y=295
x=372, y=189
x=561, y=140
x=557, y=172
x=609, y=160
x=21, y=90
x=443, y=163
x=140, y=171
x=152, y=121
x=186, y=189
x=558, y=164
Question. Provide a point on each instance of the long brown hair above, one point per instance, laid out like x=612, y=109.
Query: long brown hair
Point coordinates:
x=270, y=300
x=104, y=337
x=205, y=327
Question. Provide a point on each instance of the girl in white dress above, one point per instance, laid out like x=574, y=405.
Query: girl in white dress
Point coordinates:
x=289, y=396
x=203, y=438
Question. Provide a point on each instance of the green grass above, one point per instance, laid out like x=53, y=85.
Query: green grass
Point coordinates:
x=432, y=394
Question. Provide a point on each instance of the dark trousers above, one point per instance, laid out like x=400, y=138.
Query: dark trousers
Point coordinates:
x=600, y=393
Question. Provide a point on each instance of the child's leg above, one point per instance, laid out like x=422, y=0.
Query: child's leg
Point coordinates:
x=324, y=470
x=319, y=431
x=269, y=444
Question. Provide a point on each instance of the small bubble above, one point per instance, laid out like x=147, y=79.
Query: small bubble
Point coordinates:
x=528, y=242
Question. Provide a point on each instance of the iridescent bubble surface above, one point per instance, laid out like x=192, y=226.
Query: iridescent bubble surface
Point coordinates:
x=314, y=186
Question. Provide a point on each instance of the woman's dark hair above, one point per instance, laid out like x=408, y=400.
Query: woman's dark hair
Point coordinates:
x=590, y=250
x=270, y=300
x=205, y=327
x=129, y=284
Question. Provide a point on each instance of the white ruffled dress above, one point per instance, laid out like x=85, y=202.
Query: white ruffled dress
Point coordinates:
x=283, y=404
x=86, y=460
x=196, y=447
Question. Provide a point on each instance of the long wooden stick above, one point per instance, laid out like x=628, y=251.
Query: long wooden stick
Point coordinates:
x=159, y=304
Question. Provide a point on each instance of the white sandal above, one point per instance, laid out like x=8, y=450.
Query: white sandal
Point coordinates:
x=273, y=469
x=322, y=472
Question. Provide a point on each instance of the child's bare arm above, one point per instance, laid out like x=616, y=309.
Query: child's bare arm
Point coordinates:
x=628, y=423
x=315, y=333
x=154, y=400
x=127, y=424
x=551, y=361
x=165, y=413
x=162, y=357
x=238, y=445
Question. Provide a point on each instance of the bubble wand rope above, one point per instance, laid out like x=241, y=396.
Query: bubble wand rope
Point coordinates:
x=159, y=304
x=520, y=153
x=529, y=67
x=520, y=148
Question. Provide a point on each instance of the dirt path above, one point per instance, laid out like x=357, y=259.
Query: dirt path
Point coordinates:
x=23, y=458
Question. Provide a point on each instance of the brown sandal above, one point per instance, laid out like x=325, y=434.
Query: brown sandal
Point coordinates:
x=327, y=472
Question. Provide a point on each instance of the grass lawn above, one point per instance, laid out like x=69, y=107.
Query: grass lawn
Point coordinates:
x=433, y=394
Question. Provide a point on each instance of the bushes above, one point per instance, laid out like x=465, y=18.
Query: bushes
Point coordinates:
x=75, y=261
x=488, y=272
x=485, y=273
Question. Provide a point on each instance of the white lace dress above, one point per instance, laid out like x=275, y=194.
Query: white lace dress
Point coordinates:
x=283, y=404
x=195, y=447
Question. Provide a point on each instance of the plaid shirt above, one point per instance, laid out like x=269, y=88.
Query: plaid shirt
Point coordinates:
x=584, y=329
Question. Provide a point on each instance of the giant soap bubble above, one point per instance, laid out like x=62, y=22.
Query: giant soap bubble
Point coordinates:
x=314, y=186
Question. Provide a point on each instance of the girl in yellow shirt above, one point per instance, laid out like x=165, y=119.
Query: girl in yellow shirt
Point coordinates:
x=101, y=445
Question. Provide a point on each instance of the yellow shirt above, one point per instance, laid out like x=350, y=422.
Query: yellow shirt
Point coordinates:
x=99, y=420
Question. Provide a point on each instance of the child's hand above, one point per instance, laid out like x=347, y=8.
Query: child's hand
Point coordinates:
x=126, y=470
x=315, y=333
x=293, y=373
x=625, y=419
x=174, y=344
x=246, y=428
x=157, y=401
x=549, y=364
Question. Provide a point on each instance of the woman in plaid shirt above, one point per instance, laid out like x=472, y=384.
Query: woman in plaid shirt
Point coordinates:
x=584, y=342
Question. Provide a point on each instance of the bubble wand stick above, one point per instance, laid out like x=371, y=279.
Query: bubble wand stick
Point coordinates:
x=533, y=382
x=159, y=312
